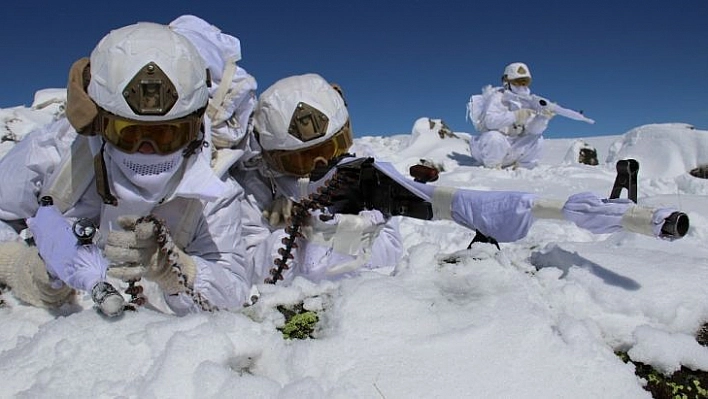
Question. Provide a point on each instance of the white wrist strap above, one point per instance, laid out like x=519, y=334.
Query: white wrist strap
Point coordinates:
x=215, y=107
x=638, y=219
x=442, y=202
x=547, y=209
x=302, y=186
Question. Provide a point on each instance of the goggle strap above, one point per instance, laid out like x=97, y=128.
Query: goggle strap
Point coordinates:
x=99, y=166
x=196, y=144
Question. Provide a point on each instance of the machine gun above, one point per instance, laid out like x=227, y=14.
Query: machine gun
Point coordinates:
x=355, y=186
x=362, y=184
x=376, y=190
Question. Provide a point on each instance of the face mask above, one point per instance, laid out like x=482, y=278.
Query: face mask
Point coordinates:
x=144, y=175
x=520, y=90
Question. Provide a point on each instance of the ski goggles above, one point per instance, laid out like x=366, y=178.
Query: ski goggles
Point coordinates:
x=165, y=136
x=521, y=81
x=301, y=162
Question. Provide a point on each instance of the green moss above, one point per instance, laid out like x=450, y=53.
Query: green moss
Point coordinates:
x=299, y=323
x=700, y=390
x=683, y=384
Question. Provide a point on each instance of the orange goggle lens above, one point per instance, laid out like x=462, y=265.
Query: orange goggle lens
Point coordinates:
x=302, y=162
x=165, y=136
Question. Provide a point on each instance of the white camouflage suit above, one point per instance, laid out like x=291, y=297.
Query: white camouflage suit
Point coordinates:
x=214, y=244
x=203, y=212
x=330, y=249
x=319, y=256
x=502, y=140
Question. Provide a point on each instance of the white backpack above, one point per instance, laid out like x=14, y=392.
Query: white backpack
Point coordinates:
x=477, y=107
x=232, y=96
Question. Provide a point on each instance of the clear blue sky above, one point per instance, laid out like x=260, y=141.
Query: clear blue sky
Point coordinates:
x=624, y=63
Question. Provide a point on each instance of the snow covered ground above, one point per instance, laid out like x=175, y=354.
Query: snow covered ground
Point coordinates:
x=539, y=319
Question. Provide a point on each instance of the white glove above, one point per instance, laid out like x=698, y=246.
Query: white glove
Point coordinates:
x=331, y=247
x=346, y=234
x=523, y=115
x=79, y=266
x=279, y=211
x=107, y=299
x=136, y=254
x=595, y=214
x=546, y=113
x=23, y=270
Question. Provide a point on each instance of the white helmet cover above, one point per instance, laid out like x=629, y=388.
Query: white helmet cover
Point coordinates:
x=278, y=103
x=121, y=54
x=516, y=70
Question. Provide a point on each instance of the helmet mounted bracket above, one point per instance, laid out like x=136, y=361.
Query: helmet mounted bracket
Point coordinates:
x=307, y=123
x=150, y=92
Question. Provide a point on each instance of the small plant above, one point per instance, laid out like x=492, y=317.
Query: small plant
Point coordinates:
x=299, y=323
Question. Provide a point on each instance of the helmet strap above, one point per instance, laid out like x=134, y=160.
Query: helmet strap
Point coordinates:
x=196, y=145
x=99, y=165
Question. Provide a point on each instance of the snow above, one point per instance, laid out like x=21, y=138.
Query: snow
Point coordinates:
x=540, y=318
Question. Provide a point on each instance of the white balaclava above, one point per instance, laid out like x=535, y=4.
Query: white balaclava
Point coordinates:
x=139, y=181
x=146, y=178
x=520, y=90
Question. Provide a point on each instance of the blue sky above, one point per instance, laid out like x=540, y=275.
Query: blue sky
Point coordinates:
x=624, y=63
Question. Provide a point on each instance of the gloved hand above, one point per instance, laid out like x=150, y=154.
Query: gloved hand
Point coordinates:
x=136, y=253
x=523, y=115
x=595, y=214
x=538, y=124
x=107, y=299
x=23, y=270
x=279, y=211
x=547, y=113
x=345, y=233
x=338, y=244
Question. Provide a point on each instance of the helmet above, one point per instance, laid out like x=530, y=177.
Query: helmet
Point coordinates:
x=142, y=76
x=147, y=72
x=299, y=120
x=516, y=70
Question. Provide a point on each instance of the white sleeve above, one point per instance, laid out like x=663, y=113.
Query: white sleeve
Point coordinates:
x=537, y=125
x=79, y=266
x=255, y=231
x=497, y=115
x=318, y=259
x=387, y=248
x=27, y=166
x=265, y=254
x=222, y=269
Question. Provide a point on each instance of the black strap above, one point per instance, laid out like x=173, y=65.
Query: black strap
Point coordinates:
x=101, y=172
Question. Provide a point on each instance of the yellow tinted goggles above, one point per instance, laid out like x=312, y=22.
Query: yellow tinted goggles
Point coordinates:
x=301, y=162
x=165, y=136
x=521, y=82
